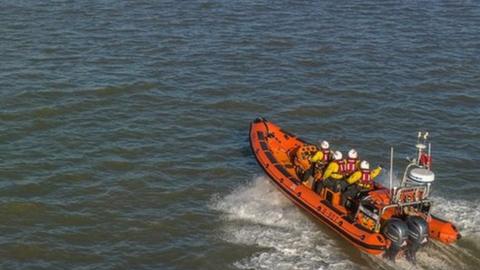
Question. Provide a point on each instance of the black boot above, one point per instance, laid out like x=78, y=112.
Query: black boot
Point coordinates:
x=318, y=186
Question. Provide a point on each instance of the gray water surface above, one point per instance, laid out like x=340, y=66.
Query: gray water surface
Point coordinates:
x=124, y=126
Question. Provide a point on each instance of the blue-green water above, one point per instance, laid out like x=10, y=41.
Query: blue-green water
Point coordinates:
x=124, y=126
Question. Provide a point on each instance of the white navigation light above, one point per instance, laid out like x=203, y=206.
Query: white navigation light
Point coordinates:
x=421, y=176
x=420, y=146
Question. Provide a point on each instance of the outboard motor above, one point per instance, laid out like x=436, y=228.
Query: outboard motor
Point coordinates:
x=396, y=231
x=417, y=236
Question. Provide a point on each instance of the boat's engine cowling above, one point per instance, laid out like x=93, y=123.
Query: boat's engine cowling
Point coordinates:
x=420, y=176
x=417, y=235
x=396, y=231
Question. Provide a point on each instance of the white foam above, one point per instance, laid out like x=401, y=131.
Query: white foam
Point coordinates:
x=384, y=178
x=464, y=214
x=259, y=215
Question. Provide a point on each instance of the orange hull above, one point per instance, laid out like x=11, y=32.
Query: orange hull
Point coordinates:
x=442, y=230
x=274, y=148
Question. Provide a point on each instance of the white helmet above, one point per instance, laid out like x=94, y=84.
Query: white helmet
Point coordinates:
x=324, y=145
x=337, y=155
x=352, y=153
x=364, y=165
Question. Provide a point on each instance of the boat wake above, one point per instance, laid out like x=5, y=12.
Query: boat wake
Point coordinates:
x=283, y=237
x=258, y=215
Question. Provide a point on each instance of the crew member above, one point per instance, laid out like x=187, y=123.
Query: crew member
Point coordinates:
x=303, y=166
x=318, y=161
x=334, y=172
x=363, y=180
x=322, y=155
x=352, y=162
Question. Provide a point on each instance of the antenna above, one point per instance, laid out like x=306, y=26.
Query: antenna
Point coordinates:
x=391, y=174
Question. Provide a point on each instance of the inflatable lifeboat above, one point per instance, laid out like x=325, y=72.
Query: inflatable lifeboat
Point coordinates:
x=388, y=221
